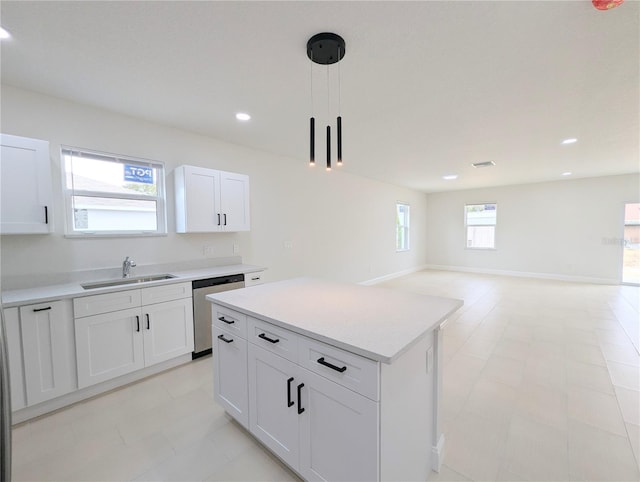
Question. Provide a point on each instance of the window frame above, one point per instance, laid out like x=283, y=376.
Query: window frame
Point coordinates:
x=467, y=225
x=69, y=193
x=407, y=228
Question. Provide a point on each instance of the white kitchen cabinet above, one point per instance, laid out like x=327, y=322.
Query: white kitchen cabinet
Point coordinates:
x=253, y=279
x=48, y=350
x=25, y=191
x=16, y=367
x=108, y=345
x=319, y=428
x=273, y=409
x=208, y=200
x=113, y=343
x=230, y=373
x=168, y=330
x=338, y=432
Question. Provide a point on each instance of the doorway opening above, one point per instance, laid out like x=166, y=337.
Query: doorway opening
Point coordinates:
x=631, y=255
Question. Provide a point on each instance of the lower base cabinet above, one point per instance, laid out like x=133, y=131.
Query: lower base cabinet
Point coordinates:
x=230, y=384
x=322, y=430
x=113, y=343
x=41, y=352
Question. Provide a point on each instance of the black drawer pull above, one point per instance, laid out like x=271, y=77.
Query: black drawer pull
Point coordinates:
x=221, y=337
x=228, y=322
x=41, y=309
x=330, y=365
x=300, y=409
x=46, y=215
x=225, y=219
x=289, y=401
x=147, y=314
x=270, y=340
x=218, y=219
x=137, y=323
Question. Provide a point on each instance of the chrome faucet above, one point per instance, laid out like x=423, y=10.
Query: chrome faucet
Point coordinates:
x=126, y=266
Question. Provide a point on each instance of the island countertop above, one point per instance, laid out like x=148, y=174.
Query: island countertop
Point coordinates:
x=377, y=323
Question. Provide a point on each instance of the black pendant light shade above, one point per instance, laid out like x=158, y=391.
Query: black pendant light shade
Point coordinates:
x=328, y=148
x=325, y=49
x=312, y=141
x=339, y=141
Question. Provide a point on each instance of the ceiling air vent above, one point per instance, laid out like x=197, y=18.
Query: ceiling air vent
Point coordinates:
x=484, y=164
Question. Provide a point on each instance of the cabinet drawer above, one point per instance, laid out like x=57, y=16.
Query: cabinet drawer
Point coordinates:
x=168, y=292
x=270, y=337
x=252, y=279
x=232, y=321
x=106, y=303
x=349, y=370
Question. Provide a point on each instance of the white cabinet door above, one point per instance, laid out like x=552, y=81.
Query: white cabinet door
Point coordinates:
x=338, y=432
x=14, y=349
x=108, y=345
x=273, y=403
x=197, y=200
x=48, y=350
x=25, y=190
x=234, y=201
x=230, y=374
x=168, y=330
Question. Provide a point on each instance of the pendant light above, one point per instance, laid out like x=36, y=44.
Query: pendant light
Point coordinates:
x=326, y=49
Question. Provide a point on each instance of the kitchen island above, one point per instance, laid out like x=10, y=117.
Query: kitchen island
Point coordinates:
x=341, y=381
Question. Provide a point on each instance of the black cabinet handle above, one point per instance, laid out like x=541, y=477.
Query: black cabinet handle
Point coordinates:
x=300, y=409
x=270, y=340
x=218, y=219
x=225, y=219
x=46, y=215
x=42, y=309
x=147, y=315
x=289, y=401
x=221, y=337
x=137, y=323
x=228, y=322
x=330, y=365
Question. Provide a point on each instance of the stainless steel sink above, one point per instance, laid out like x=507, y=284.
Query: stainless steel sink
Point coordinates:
x=125, y=281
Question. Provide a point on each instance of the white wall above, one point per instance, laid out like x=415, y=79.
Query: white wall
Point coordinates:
x=340, y=226
x=568, y=229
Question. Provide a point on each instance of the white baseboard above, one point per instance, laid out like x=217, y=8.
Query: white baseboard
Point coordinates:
x=524, y=274
x=391, y=276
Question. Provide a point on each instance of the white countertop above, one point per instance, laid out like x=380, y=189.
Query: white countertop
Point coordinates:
x=42, y=294
x=377, y=323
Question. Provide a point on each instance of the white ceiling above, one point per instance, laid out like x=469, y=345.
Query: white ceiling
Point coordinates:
x=427, y=87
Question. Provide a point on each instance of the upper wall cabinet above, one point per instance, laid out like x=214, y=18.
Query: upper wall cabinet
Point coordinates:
x=209, y=201
x=25, y=191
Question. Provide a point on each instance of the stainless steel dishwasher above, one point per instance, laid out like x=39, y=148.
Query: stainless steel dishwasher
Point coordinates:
x=202, y=308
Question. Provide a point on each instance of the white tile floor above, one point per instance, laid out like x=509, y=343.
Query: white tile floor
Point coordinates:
x=542, y=382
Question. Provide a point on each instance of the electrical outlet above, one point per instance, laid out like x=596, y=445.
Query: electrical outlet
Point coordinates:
x=236, y=248
x=207, y=250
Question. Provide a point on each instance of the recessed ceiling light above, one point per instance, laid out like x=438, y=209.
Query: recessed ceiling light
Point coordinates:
x=241, y=116
x=483, y=164
x=4, y=34
x=450, y=177
x=572, y=140
x=566, y=173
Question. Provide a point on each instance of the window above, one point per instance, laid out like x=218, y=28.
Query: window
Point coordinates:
x=113, y=195
x=480, y=223
x=402, y=227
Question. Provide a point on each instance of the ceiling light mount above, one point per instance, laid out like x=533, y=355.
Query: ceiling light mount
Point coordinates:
x=325, y=48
